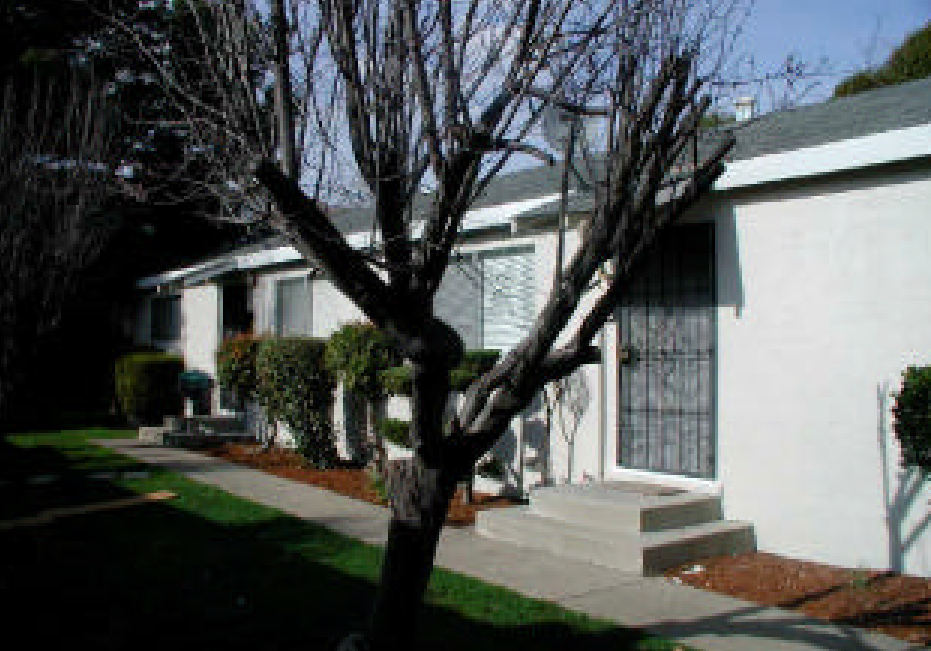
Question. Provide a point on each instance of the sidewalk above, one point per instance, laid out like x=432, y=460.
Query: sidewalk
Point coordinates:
x=699, y=619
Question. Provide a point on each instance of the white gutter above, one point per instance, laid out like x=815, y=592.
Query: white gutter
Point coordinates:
x=840, y=156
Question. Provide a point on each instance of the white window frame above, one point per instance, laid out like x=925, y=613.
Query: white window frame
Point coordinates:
x=277, y=283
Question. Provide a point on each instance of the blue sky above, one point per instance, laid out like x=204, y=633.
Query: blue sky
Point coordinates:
x=849, y=34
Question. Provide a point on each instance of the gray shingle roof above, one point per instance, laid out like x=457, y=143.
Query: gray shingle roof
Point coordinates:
x=884, y=109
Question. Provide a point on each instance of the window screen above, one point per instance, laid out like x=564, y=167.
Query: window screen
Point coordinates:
x=293, y=307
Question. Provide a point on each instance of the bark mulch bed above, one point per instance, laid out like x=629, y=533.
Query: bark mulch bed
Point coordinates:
x=885, y=602
x=354, y=482
x=899, y=606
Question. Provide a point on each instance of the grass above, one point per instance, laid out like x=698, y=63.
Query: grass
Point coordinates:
x=210, y=570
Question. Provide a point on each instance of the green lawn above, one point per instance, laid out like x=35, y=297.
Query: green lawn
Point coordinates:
x=213, y=571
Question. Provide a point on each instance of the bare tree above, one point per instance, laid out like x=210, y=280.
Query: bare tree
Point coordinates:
x=57, y=146
x=413, y=96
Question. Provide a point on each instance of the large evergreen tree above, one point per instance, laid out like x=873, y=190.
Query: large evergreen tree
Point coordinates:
x=910, y=61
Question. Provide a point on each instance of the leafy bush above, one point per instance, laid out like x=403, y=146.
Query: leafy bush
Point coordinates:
x=295, y=388
x=236, y=370
x=911, y=60
x=395, y=430
x=146, y=386
x=356, y=354
x=492, y=468
x=912, y=411
x=398, y=380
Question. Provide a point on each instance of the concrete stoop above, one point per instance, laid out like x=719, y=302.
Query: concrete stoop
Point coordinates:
x=194, y=431
x=627, y=527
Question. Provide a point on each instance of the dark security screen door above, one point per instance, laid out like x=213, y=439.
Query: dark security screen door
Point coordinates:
x=667, y=318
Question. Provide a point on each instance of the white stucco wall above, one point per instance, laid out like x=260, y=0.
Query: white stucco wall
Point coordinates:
x=825, y=297
x=200, y=327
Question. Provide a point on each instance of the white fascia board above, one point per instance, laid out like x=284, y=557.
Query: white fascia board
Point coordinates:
x=168, y=277
x=267, y=258
x=504, y=213
x=844, y=155
x=501, y=214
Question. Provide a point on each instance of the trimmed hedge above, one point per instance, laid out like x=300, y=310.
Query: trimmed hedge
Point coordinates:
x=146, y=386
x=912, y=411
x=295, y=387
x=236, y=370
x=395, y=430
x=397, y=381
x=356, y=354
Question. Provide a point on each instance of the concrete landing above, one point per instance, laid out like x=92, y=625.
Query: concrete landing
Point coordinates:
x=624, y=526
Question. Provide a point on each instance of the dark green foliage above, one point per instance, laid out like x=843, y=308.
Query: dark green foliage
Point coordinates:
x=912, y=411
x=356, y=354
x=236, y=368
x=397, y=381
x=909, y=61
x=147, y=386
x=395, y=430
x=474, y=364
x=492, y=468
x=295, y=387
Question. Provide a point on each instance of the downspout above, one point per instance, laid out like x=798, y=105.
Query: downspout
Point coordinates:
x=602, y=405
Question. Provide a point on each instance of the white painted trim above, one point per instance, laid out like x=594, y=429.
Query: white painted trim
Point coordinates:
x=504, y=213
x=691, y=484
x=843, y=155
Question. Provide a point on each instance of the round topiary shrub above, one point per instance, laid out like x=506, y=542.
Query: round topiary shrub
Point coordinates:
x=356, y=354
x=146, y=386
x=912, y=411
x=295, y=387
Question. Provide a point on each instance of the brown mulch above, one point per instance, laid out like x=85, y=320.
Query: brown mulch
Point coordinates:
x=354, y=482
x=885, y=602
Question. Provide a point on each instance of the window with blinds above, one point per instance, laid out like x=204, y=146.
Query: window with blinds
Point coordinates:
x=488, y=297
x=293, y=307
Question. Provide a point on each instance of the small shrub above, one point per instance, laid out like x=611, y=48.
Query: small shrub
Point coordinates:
x=356, y=354
x=395, y=430
x=236, y=370
x=294, y=387
x=912, y=411
x=377, y=484
x=396, y=381
x=146, y=385
x=492, y=468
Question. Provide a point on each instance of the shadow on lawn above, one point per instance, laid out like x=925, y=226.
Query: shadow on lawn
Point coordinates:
x=158, y=575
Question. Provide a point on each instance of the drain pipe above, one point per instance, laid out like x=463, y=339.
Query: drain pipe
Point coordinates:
x=603, y=404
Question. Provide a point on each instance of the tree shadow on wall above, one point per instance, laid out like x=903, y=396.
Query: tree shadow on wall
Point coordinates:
x=902, y=491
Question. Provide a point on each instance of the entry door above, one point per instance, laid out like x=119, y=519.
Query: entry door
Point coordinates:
x=667, y=392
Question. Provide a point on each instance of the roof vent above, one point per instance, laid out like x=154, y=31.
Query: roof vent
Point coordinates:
x=745, y=109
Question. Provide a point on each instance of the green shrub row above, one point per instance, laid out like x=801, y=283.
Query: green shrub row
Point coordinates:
x=146, y=385
x=295, y=387
x=236, y=369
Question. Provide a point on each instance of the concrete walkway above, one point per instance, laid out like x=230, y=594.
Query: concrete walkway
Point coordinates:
x=697, y=618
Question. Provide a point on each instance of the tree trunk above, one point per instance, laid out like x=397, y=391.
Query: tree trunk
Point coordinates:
x=420, y=500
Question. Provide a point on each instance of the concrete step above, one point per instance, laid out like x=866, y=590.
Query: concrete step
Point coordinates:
x=625, y=508
x=632, y=551
x=195, y=440
x=205, y=424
